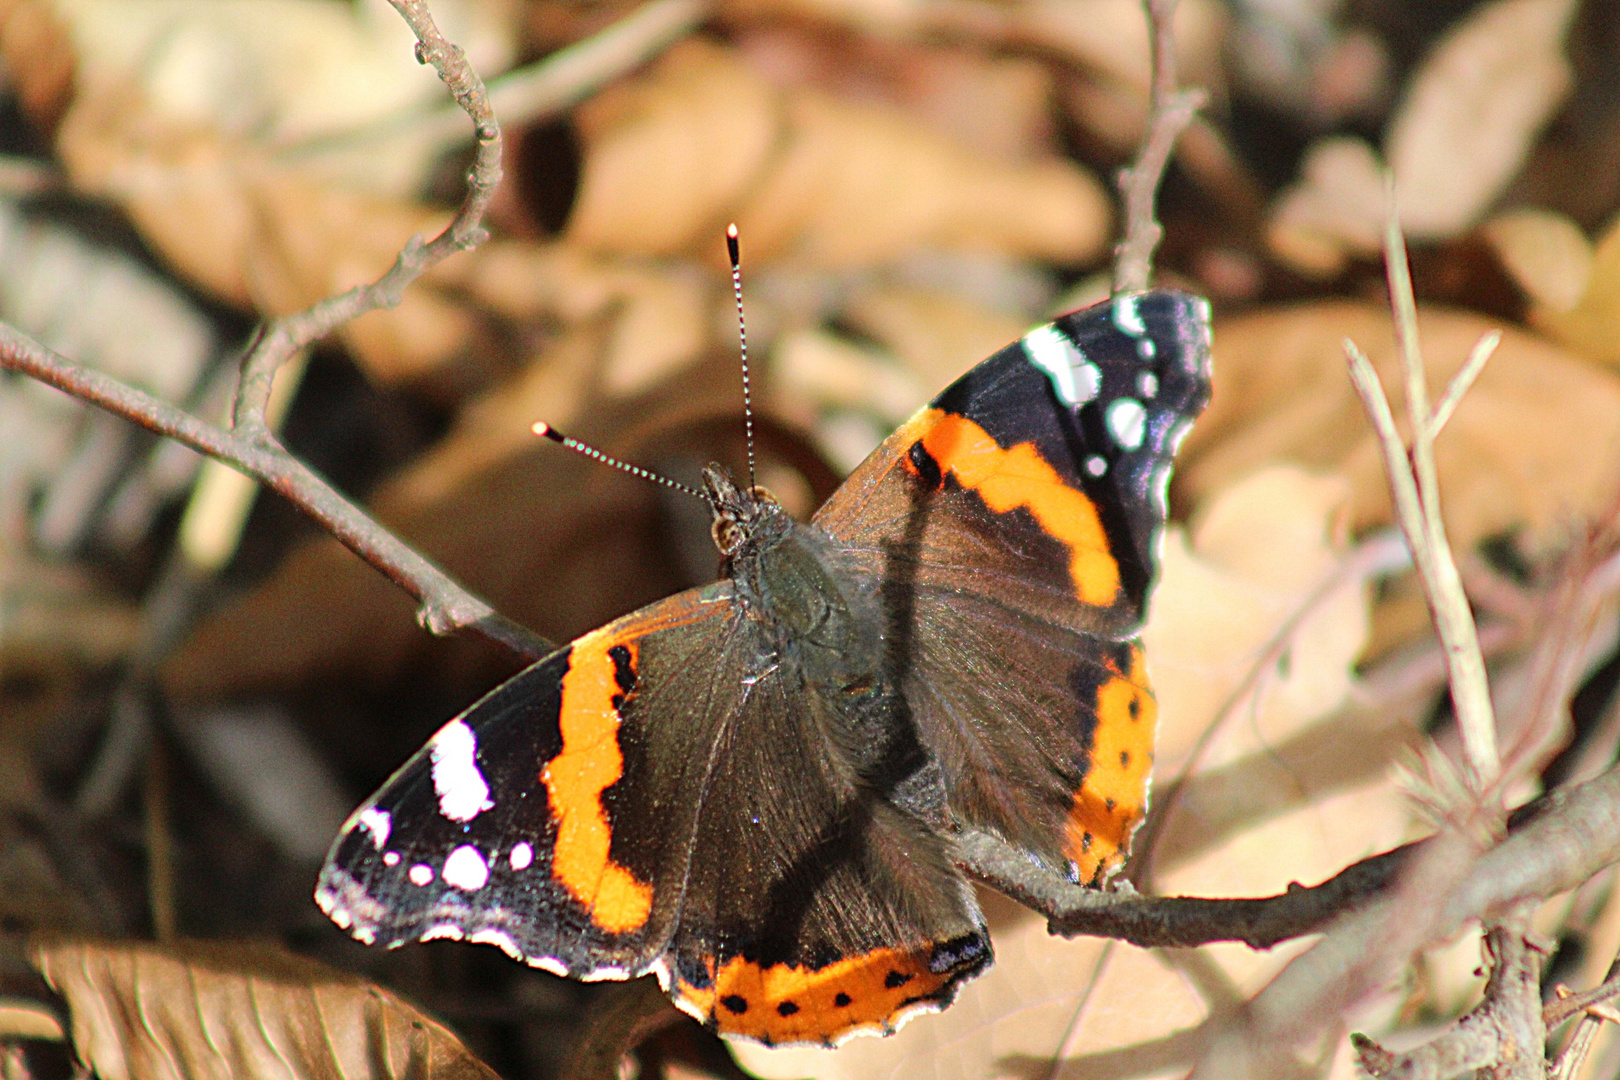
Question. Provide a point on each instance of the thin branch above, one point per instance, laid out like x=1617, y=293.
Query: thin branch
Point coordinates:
x=1412, y=469
x=1170, y=111
x=252, y=448
x=1460, y=382
x=1431, y=553
x=1565, y=838
x=283, y=337
x=1504, y=1034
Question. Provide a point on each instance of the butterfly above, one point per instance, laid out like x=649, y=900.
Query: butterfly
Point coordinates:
x=752, y=789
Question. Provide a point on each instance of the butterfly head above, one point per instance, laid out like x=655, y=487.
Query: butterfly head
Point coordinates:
x=742, y=516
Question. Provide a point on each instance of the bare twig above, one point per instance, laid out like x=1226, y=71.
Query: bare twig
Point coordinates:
x=1567, y=837
x=251, y=447
x=1416, y=491
x=283, y=337
x=1170, y=111
x=1504, y=1033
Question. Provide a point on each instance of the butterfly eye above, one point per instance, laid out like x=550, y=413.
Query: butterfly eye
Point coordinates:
x=727, y=536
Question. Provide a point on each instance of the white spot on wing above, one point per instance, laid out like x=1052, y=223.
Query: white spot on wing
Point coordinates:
x=421, y=874
x=498, y=938
x=1147, y=384
x=443, y=930
x=1074, y=378
x=1096, y=465
x=378, y=823
x=466, y=869
x=390, y=858
x=1127, y=422
x=1146, y=349
x=522, y=855
x=1127, y=317
x=463, y=792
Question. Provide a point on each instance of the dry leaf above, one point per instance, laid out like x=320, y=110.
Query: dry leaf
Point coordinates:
x=1459, y=136
x=667, y=154
x=937, y=334
x=1472, y=110
x=861, y=184
x=825, y=182
x=39, y=59
x=278, y=73
x=1534, y=446
x=238, y=1012
x=1335, y=211
x=258, y=235
x=1546, y=253
x=1592, y=324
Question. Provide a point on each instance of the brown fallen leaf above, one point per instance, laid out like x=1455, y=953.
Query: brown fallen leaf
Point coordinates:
x=1592, y=324
x=218, y=1011
x=1459, y=137
x=668, y=155
x=1534, y=446
x=1472, y=110
x=255, y=234
x=1546, y=253
x=823, y=181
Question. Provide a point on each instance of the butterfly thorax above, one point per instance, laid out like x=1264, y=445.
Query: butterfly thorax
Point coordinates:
x=790, y=579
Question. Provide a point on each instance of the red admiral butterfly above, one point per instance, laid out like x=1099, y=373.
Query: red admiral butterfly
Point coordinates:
x=751, y=789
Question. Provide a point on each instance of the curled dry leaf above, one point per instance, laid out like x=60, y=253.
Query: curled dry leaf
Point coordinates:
x=1534, y=446
x=1546, y=253
x=823, y=181
x=240, y=1012
x=1457, y=139
x=1087, y=1007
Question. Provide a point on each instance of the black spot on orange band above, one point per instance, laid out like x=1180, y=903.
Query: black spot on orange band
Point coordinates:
x=1113, y=797
x=786, y=1003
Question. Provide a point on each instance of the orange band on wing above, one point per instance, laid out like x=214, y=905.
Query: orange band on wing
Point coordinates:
x=1113, y=796
x=588, y=765
x=1019, y=477
x=782, y=1003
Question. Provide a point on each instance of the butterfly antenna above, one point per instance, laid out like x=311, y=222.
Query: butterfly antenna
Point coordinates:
x=568, y=441
x=742, y=336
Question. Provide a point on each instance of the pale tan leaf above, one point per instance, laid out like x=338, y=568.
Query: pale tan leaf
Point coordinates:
x=259, y=235
x=1546, y=253
x=1592, y=325
x=937, y=334
x=859, y=184
x=278, y=72
x=827, y=182
x=665, y=155
x=1258, y=550
x=1534, y=445
x=1473, y=108
x=1336, y=210
x=240, y=1012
